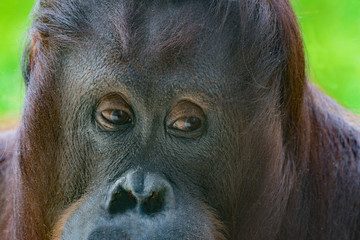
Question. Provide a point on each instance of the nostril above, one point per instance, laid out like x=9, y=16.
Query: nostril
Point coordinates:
x=121, y=201
x=140, y=192
x=154, y=203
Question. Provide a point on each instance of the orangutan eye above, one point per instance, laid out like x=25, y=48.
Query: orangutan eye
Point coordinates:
x=114, y=113
x=187, y=124
x=116, y=116
x=186, y=119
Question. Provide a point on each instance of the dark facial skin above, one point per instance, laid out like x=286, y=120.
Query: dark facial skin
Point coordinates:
x=161, y=142
x=152, y=132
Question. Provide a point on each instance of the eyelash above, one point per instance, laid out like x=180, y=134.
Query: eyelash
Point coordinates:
x=185, y=121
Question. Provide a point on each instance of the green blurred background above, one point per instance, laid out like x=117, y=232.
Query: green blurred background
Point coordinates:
x=331, y=30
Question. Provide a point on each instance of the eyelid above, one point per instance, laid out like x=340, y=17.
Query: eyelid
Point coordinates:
x=185, y=109
x=187, y=112
x=109, y=105
x=113, y=101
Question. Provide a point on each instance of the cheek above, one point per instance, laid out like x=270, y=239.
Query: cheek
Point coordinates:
x=64, y=218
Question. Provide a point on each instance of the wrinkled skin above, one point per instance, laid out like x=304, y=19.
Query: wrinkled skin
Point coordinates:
x=175, y=120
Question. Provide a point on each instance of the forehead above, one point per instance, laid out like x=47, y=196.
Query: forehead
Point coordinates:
x=159, y=28
x=159, y=47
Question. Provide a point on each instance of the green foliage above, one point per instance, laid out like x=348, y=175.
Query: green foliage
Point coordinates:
x=13, y=18
x=331, y=30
